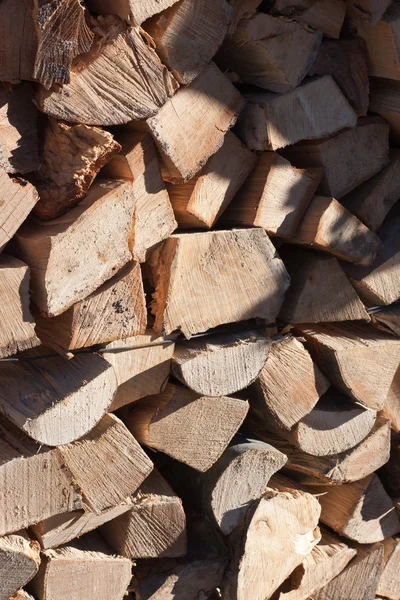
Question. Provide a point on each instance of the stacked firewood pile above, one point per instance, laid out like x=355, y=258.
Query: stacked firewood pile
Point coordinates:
x=199, y=284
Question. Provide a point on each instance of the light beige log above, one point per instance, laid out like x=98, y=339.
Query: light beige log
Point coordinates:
x=349, y=158
x=17, y=327
x=383, y=44
x=266, y=124
x=116, y=83
x=19, y=562
x=154, y=526
x=359, y=360
x=17, y=199
x=364, y=14
x=206, y=425
x=70, y=257
x=132, y=11
x=116, y=310
x=224, y=266
x=278, y=532
x=199, y=203
x=389, y=585
x=324, y=15
x=391, y=408
x=274, y=196
x=269, y=52
x=385, y=100
x=289, y=385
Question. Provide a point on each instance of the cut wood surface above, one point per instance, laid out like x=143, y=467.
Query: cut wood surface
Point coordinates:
x=21, y=595
x=385, y=100
x=17, y=199
x=383, y=45
x=188, y=34
x=349, y=158
x=18, y=57
x=274, y=196
x=198, y=203
x=389, y=585
x=313, y=276
x=364, y=14
x=116, y=310
x=19, y=562
x=192, y=268
x=121, y=79
x=391, y=408
x=153, y=527
x=387, y=318
x=324, y=15
x=206, y=425
x=269, y=52
x=70, y=257
x=17, y=327
x=357, y=359
x=202, y=365
x=130, y=10
x=265, y=124
x=242, y=9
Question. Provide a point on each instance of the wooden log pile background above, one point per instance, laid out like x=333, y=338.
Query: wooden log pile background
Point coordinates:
x=199, y=299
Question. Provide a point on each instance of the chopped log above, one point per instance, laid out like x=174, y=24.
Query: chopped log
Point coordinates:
x=382, y=44
x=206, y=425
x=385, y=100
x=361, y=511
x=324, y=15
x=154, y=526
x=364, y=14
x=141, y=371
x=100, y=227
x=17, y=327
x=153, y=217
x=21, y=595
x=313, y=276
x=274, y=196
x=349, y=158
x=272, y=53
x=282, y=394
x=330, y=227
x=346, y=61
x=19, y=145
x=203, y=365
x=116, y=310
x=72, y=157
x=191, y=126
x=389, y=585
x=188, y=35
x=358, y=360
x=92, y=558
x=19, y=562
x=130, y=10
x=388, y=319
x=17, y=55
x=135, y=83
x=391, y=408
x=242, y=9
x=265, y=123
x=221, y=265
x=17, y=199
x=199, y=202
x=279, y=543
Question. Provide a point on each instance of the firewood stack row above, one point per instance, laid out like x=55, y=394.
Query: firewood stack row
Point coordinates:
x=200, y=284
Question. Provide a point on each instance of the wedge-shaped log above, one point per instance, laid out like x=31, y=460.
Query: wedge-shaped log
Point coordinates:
x=188, y=35
x=100, y=228
x=130, y=10
x=203, y=365
x=116, y=310
x=349, y=158
x=383, y=44
x=17, y=199
x=265, y=123
x=274, y=196
x=324, y=15
x=389, y=585
x=19, y=562
x=313, y=276
x=364, y=14
x=385, y=100
x=18, y=54
x=154, y=526
x=206, y=425
x=222, y=265
x=198, y=203
x=269, y=52
x=136, y=87
x=280, y=544
x=359, y=360
x=282, y=394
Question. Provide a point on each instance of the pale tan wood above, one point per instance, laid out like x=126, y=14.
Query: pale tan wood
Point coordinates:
x=135, y=83
x=283, y=394
x=385, y=100
x=71, y=158
x=389, y=585
x=132, y=11
x=349, y=158
x=206, y=425
x=154, y=526
x=17, y=327
x=278, y=532
x=242, y=9
x=116, y=310
x=199, y=203
x=364, y=14
x=324, y=15
x=17, y=199
x=188, y=35
x=70, y=257
x=274, y=196
x=192, y=268
x=383, y=44
x=391, y=408
x=203, y=364
x=19, y=562
x=330, y=227
x=270, y=52
x=17, y=55
x=315, y=109
x=359, y=360
x=313, y=276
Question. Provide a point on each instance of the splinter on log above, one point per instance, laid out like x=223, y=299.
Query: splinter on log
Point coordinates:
x=19, y=562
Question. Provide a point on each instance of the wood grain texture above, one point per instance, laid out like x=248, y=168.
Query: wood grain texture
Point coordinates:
x=385, y=100
x=19, y=562
x=242, y=9
x=18, y=58
x=389, y=585
x=364, y=14
x=383, y=45
x=324, y=15
x=388, y=319
x=132, y=11
x=391, y=408
x=17, y=199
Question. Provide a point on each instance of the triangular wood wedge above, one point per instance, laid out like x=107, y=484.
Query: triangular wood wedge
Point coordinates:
x=19, y=562
x=389, y=585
